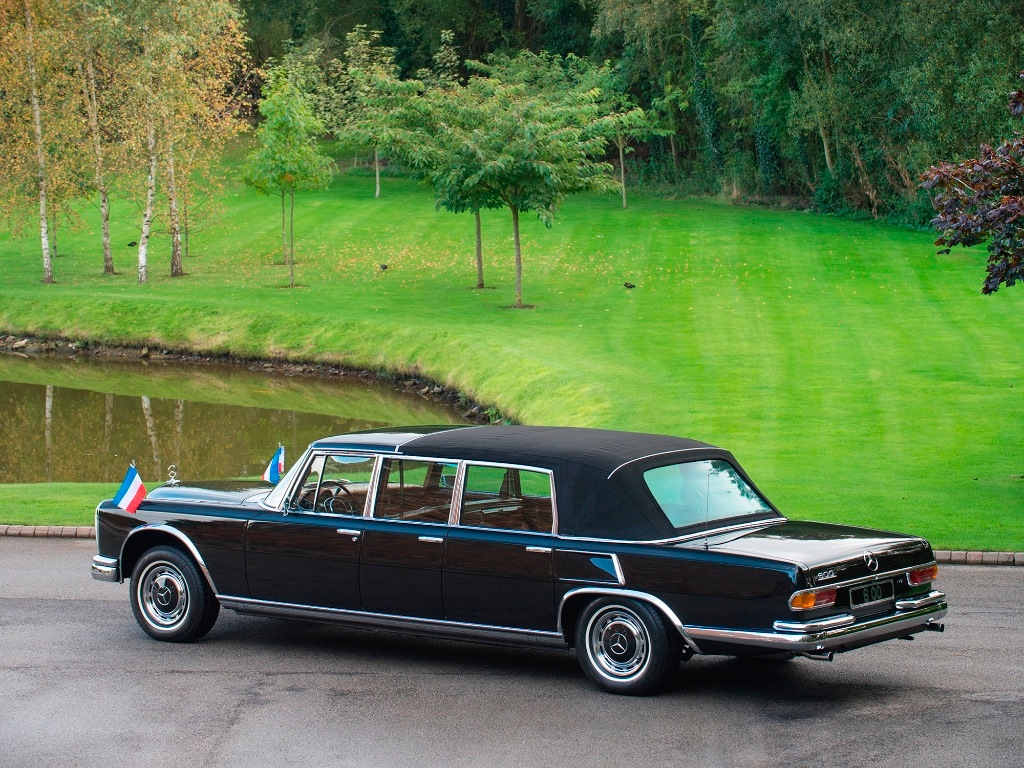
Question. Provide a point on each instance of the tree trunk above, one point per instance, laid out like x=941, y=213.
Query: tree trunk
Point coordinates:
x=479, y=252
x=284, y=231
x=291, y=241
x=675, y=155
x=519, y=257
x=147, y=412
x=37, y=124
x=622, y=168
x=48, y=431
x=147, y=214
x=376, y=169
x=184, y=223
x=821, y=124
x=175, y=222
x=87, y=75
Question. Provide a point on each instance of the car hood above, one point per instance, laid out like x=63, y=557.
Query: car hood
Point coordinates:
x=823, y=547
x=214, y=491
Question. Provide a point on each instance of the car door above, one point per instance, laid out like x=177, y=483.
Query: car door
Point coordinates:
x=498, y=560
x=404, y=539
x=308, y=553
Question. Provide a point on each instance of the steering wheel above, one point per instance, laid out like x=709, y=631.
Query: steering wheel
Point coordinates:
x=350, y=503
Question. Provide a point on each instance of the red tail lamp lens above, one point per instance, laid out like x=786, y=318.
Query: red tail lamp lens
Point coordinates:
x=816, y=598
x=923, y=575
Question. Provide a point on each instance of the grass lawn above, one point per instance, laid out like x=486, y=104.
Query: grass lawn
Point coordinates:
x=857, y=376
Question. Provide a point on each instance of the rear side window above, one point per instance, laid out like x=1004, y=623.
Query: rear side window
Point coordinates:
x=507, y=498
x=420, y=491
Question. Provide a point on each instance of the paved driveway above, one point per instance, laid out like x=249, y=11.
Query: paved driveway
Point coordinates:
x=82, y=685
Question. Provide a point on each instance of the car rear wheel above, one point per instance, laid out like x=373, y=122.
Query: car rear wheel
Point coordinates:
x=170, y=598
x=625, y=647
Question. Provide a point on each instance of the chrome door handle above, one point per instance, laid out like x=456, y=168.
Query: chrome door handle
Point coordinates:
x=350, y=532
x=431, y=539
x=542, y=550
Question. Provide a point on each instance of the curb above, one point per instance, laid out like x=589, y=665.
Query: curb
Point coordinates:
x=49, y=531
x=942, y=556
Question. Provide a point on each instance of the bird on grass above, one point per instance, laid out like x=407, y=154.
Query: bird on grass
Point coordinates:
x=627, y=286
x=132, y=244
x=383, y=267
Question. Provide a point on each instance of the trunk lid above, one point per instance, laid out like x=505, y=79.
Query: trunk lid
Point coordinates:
x=234, y=492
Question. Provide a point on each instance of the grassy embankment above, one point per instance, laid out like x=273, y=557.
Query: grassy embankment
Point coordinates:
x=859, y=377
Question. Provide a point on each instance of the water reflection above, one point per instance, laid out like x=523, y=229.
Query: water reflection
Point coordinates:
x=84, y=421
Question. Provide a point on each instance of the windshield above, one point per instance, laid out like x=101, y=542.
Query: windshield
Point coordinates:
x=697, y=491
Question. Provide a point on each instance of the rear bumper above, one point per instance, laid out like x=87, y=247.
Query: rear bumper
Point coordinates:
x=105, y=568
x=837, y=633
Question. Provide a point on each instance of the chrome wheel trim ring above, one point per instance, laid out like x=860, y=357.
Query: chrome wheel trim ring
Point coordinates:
x=618, y=643
x=163, y=595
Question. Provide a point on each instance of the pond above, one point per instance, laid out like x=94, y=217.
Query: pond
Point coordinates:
x=84, y=420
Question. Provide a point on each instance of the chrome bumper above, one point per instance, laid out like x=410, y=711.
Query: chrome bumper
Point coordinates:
x=105, y=568
x=837, y=633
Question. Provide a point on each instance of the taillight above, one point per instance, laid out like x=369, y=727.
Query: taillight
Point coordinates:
x=812, y=598
x=923, y=575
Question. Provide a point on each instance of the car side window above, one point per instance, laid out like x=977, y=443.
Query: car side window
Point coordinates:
x=336, y=483
x=507, y=498
x=420, y=491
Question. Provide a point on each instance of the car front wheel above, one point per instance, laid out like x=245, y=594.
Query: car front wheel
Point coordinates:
x=170, y=598
x=625, y=647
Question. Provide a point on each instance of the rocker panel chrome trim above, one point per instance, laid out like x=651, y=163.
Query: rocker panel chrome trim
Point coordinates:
x=361, y=619
x=657, y=602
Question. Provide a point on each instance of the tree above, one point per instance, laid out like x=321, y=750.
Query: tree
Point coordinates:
x=287, y=158
x=982, y=200
x=493, y=142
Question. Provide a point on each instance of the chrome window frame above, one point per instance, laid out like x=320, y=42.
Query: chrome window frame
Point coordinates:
x=463, y=470
x=371, y=498
x=306, y=461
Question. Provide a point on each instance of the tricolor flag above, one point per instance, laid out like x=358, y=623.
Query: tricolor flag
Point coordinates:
x=132, y=491
x=276, y=467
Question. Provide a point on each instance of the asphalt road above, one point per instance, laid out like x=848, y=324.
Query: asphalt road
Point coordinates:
x=81, y=685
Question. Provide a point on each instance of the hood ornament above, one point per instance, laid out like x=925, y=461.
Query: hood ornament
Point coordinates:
x=172, y=475
x=870, y=560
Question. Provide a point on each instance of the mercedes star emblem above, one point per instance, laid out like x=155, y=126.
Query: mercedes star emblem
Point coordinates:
x=618, y=644
x=870, y=561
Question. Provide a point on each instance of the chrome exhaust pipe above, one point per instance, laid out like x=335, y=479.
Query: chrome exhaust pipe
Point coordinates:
x=822, y=656
x=935, y=626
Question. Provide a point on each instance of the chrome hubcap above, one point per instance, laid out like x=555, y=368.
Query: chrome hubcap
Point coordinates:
x=618, y=643
x=163, y=595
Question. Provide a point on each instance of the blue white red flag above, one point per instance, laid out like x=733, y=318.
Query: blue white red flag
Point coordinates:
x=132, y=491
x=276, y=467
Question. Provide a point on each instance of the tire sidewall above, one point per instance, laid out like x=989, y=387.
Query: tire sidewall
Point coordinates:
x=650, y=629
x=178, y=569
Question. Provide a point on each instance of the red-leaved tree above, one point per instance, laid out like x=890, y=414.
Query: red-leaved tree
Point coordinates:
x=982, y=201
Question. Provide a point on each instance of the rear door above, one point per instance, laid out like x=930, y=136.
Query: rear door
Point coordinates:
x=498, y=560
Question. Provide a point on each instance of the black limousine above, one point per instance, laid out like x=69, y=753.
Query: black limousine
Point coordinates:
x=637, y=550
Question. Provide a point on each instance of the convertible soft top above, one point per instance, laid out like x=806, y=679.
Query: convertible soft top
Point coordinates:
x=599, y=486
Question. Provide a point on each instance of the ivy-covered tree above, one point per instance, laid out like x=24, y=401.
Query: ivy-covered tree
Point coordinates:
x=287, y=158
x=981, y=200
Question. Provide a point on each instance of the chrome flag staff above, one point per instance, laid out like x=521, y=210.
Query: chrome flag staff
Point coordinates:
x=276, y=467
x=132, y=491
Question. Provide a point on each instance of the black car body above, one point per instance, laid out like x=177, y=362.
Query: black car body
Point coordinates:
x=635, y=549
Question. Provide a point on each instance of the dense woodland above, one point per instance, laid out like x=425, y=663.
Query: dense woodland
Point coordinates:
x=839, y=103
x=839, y=106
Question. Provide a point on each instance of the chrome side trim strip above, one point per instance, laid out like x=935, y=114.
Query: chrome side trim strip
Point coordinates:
x=687, y=537
x=180, y=537
x=874, y=577
x=652, y=455
x=910, y=603
x=861, y=633
x=363, y=619
x=657, y=602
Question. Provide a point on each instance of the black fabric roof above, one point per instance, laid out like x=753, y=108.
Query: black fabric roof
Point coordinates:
x=602, y=449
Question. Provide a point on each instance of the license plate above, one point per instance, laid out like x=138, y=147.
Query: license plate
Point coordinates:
x=865, y=594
